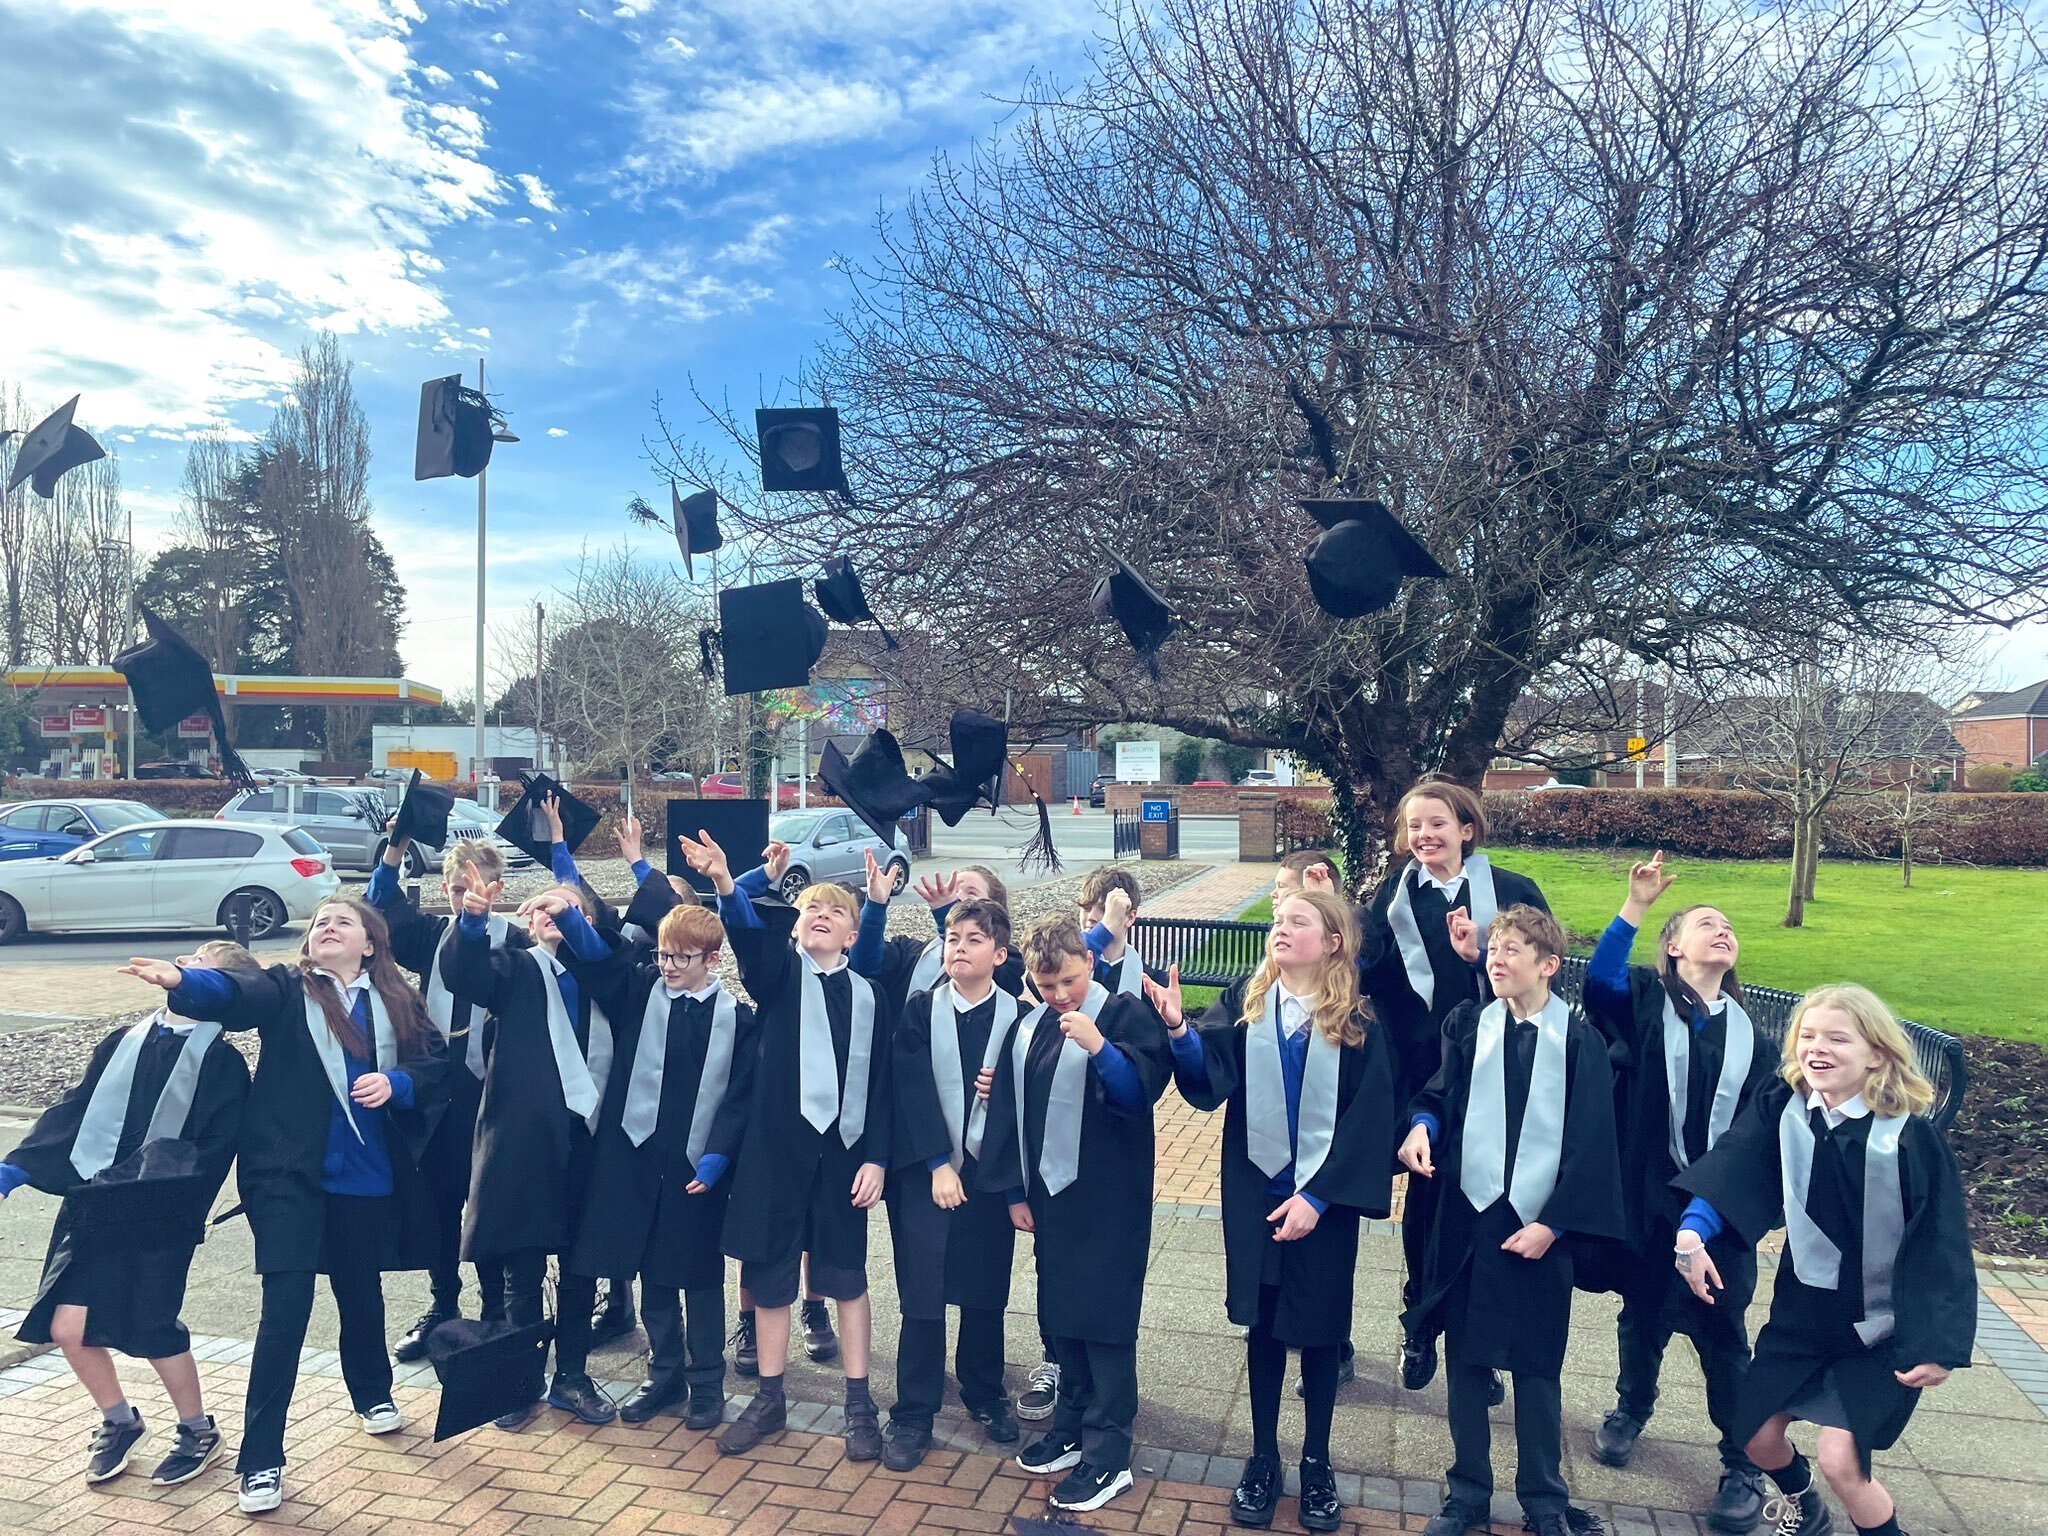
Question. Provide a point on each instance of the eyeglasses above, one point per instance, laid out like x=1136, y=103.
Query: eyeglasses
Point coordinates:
x=672, y=957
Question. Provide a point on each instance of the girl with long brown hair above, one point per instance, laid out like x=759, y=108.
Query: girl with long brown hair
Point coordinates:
x=1300, y=1068
x=328, y=1164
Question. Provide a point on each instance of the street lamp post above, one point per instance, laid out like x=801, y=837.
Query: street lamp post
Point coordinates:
x=476, y=766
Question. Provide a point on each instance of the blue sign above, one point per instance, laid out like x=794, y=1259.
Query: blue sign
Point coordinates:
x=1155, y=810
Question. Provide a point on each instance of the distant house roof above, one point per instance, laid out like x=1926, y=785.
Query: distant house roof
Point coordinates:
x=1905, y=724
x=2030, y=700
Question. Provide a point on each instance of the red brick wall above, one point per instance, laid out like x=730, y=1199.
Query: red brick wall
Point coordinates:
x=2002, y=743
x=1204, y=802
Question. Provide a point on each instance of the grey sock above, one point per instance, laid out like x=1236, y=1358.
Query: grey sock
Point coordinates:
x=202, y=1424
x=121, y=1415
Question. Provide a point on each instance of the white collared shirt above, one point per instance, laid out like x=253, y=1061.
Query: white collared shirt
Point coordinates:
x=1450, y=887
x=1296, y=1014
x=960, y=1003
x=348, y=990
x=173, y=1023
x=709, y=989
x=823, y=970
x=1853, y=1109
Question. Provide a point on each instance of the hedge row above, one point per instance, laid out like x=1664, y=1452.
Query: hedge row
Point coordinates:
x=1738, y=824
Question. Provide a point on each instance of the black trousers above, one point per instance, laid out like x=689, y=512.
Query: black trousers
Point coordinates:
x=685, y=1337
x=1098, y=1399
x=1539, y=1439
x=575, y=1300
x=1655, y=1304
x=444, y=1275
x=517, y=1278
x=358, y=1289
x=921, y=1364
x=1415, y=1064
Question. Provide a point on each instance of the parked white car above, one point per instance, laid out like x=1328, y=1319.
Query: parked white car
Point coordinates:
x=171, y=876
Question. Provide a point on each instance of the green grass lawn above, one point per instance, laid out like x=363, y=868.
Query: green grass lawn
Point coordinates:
x=1965, y=950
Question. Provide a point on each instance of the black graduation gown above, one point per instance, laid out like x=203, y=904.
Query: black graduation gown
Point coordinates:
x=131, y=1295
x=1810, y=1331
x=961, y=1257
x=638, y=1214
x=791, y=1175
x=1413, y=1025
x=1314, y=1273
x=284, y=1134
x=451, y=1119
x=899, y=959
x=532, y=1153
x=1498, y=1308
x=1094, y=1237
x=1635, y=1037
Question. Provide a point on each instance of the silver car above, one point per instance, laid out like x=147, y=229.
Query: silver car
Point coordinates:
x=466, y=819
x=346, y=820
x=830, y=845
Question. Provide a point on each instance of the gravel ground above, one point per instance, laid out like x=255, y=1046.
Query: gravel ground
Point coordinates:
x=38, y=1066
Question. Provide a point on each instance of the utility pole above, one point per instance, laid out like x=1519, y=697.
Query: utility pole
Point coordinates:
x=540, y=753
x=476, y=764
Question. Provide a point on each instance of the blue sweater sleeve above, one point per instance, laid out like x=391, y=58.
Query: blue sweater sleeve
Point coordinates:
x=202, y=993
x=473, y=928
x=1190, y=1059
x=736, y=911
x=641, y=870
x=1607, y=970
x=401, y=1088
x=711, y=1168
x=383, y=887
x=1098, y=939
x=870, y=942
x=562, y=863
x=1120, y=1085
x=11, y=1179
x=1702, y=1218
x=584, y=941
x=939, y=917
x=1429, y=1123
x=755, y=881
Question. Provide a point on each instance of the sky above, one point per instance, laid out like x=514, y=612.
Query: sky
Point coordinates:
x=604, y=201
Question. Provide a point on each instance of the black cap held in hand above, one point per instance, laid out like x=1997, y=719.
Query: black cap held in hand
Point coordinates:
x=52, y=448
x=487, y=1371
x=770, y=637
x=1357, y=563
x=170, y=681
x=526, y=824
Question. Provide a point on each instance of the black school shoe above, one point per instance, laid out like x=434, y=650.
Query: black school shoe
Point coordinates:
x=1321, y=1509
x=707, y=1410
x=1258, y=1491
x=1739, y=1502
x=862, y=1436
x=1455, y=1519
x=1418, y=1362
x=905, y=1447
x=746, y=1351
x=413, y=1344
x=1085, y=1488
x=820, y=1342
x=580, y=1396
x=1053, y=1452
x=997, y=1422
x=112, y=1447
x=651, y=1398
x=1615, y=1440
x=192, y=1452
x=763, y=1417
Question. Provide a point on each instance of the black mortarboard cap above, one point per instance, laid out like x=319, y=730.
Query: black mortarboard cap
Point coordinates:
x=487, y=1370
x=873, y=783
x=423, y=811
x=800, y=450
x=770, y=636
x=170, y=681
x=653, y=901
x=156, y=1197
x=980, y=744
x=51, y=448
x=839, y=594
x=1139, y=611
x=1356, y=564
x=524, y=826
x=695, y=520
x=456, y=423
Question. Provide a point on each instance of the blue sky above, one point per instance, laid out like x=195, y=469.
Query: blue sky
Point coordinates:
x=602, y=199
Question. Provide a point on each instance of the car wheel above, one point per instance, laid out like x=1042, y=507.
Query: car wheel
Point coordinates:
x=793, y=883
x=415, y=862
x=267, y=914
x=899, y=876
x=13, y=921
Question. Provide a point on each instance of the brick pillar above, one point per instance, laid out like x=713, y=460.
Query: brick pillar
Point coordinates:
x=1258, y=829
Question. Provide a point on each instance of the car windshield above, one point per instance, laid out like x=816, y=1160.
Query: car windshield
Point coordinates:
x=793, y=827
x=112, y=815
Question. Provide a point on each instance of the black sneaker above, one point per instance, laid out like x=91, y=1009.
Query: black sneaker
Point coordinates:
x=1258, y=1491
x=1321, y=1509
x=260, y=1492
x=1052, y=1452
x=820, y=1342
x=1739, y=1503
x=413, y=1345
x=863, y=1433
x=1418, y=1363
x=1035, y=1401
x=1455, y=1519
x=1798, y=1514
x=997, y=1422
x=1085, y=1488
x=746, y=1350
x=192, y=1452
x=763, y=1417
x=580, y=1396
x=1615, y=1440
x=112, y=1447
x=905, y=1446
x=1496, y=1389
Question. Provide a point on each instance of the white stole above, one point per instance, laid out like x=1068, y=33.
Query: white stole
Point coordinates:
x=106, y=1112
x=1737, y=1052
x=1815, y=1258
x=818, y=1064
x=582, y=1080
x=332, y=1061
x=1059, y=1155
x=1265, y=1098
x=441, y=1001
x=1539, y=1150
x=1478, y=877
x=964, y=1126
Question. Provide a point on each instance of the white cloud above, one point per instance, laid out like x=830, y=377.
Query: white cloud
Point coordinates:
x=679, y=46
x=558, y=431
x=664, y=279
x=483, y=80
x=537, y=192
x=434, y=74
x=215, y=179
x=761, y=244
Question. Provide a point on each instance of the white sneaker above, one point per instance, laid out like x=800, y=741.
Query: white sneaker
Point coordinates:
x=261, y=1491
x=381, y=1420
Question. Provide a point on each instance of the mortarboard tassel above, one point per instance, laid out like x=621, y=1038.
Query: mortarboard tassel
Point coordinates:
x=1039, y=853
x=707, y=645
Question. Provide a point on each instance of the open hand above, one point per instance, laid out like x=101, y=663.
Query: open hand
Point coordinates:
x=881, y=879
x=551, y=813
x=867, y=1186
x=707, y=859
x=938, y=890
x=552, y=902
x=1464, y=934
x=628, y=835
x=478, y=893
x=1166, y=1001
x=1080, y=1029
x=947, y=1193
x=1646, y=882
x=1530, y=1242
x=1696, y=1266
x=775, y=860
x=158, y=973
x=372, y=1090
x=1296, y=1218
x=1414, y=1153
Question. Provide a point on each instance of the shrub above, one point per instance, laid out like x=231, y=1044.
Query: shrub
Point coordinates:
x=2033, y=782
x=1990, y=780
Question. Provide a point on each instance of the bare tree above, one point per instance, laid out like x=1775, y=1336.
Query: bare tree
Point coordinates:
x=1696, y=329
x=15, y=528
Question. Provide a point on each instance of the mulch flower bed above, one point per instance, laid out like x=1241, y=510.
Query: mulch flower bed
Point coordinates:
x=2001, y=1143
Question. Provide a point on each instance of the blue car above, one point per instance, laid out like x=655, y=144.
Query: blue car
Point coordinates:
x=43, y=829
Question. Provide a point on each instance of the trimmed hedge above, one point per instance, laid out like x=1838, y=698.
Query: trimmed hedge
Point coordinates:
x=2010, y=829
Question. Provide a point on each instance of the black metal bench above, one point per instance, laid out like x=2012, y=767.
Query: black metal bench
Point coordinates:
x=1214, y=952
